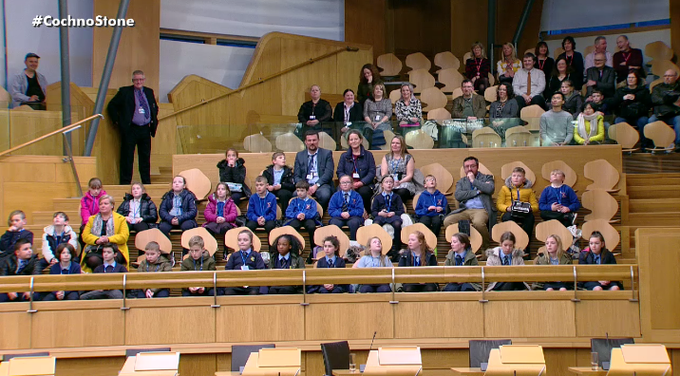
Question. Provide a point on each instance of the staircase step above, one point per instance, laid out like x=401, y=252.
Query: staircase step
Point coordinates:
x=659, y=219
x=652, y=179
x=653, y=191
x=647, y=205
x=66, y=205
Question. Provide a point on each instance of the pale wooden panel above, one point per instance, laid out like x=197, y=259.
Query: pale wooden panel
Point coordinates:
x=175, y=322
x=104, y=366
x=622, y=318
x=83, y=330
x=659, y=259
x=312, y=363
x=31, y=197
x=28, y=125
x=514, y=319
x=139, y=45
x=165, y=144
x=197, y=364
x=14, y=327
x=407, y=313
x=40, y=173
x=330, y=321
x=265, y=323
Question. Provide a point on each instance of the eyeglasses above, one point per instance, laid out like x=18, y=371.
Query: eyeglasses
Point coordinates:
x=345, y=182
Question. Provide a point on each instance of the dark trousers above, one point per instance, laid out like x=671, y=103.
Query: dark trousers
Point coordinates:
x=20, y=298
x=217, y=230
x=283, y=290
x=284, y=196
x=509, y=286
x=433, y=223
x=140, y=137
x=163, y=293
x=592, y=285
x=374, y=288
x=268, y=225
x=206, y=292
x=404, y=193
x=166, y=227
x=395, y=222
x=237, y=197
x=71, y=295
x=242, y=290
x=366, y=193
x=352, y=222
x=527, y=224
x=138, y=227
x=537, y=99
x=458, y=287
x=567, y=219
x=308, y=224
x=420, y=287
x=336, y=290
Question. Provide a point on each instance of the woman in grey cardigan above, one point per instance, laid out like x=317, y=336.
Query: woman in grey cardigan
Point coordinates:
x=504, y=113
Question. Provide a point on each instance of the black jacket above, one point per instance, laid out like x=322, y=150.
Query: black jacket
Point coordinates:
x=356, y=113
x=189, y=210
x=8, y=240
x=663, y=98
x=606, y=84
x=122, y=108
x=322, y=112
x=236, y=174
x=9, y=266
x=287, y=179
x=406, y=258
x=147, y=209
x=636, y=108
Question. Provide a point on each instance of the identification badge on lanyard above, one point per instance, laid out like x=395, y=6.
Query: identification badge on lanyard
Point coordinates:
x=377, y=117
x=141, y=110
x=245, y=267
x=355, y=175
x=312, y=117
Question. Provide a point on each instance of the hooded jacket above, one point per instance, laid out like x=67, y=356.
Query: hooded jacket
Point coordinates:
x=236, y=174
x=147, y=209
x=162, y=264
x=205, y=263
x=89, y=206
x=50, y=240
x=573, y=104
x=210, y=212
x=287, y=179
x=469, y=260
x=189, y=210
x=494, y=259
x=508, y=194
x=428, y=199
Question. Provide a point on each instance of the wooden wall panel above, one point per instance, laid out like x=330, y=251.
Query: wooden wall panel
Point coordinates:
x=469, y=21
x=24, y=126
x=622, y=319
x=330, y=321
x=139, y=45
x=83, y=329
x=421, y=26
x=558, y=361
x=197, y=364
x=445, y=326
x=509, y=13
x=104, y=366
x=365, y=23
x=529, y=319
x=263, y=322
x=178, y=325
x=659, y=259
x=14, y=326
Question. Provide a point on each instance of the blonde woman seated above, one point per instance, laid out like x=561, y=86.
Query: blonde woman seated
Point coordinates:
x=590, y=126
x=554, y=255
x=509, y=65
x=461, y=255
x=373, y=258
x=408, y=108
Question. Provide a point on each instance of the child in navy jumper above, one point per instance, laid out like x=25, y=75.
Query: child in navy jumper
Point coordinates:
x=302, y=211
x=558, y=201
x=346, y=207
x=332, y=259
x=432, y=206
x=387, y=208
x=109, y=251
x=244, y=259
x=261, y=207
x=66, y=253
x=16, y=231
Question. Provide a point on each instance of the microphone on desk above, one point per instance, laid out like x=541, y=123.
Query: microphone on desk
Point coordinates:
x=371, y=347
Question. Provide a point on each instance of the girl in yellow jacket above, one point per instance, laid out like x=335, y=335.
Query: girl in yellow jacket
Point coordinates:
x=589, y=127
x=518, y=188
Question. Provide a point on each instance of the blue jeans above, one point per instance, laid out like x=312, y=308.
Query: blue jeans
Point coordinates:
x=640, y=123
x=673, y=121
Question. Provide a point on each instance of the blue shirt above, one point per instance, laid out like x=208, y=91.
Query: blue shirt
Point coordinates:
x=330, y=261
x=277, y=176
x=596, y=259
x=176, y=210
x=475, y=202
x=462, y=257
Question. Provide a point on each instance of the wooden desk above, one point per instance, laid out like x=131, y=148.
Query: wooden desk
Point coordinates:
x=345, y=372
x=588, y=371
x=227, y=373
x=467, y=371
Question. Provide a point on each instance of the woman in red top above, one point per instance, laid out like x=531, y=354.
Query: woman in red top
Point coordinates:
x=477, y=68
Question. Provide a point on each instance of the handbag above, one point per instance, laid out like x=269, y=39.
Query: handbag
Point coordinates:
x=235, y=187
x=520, y=209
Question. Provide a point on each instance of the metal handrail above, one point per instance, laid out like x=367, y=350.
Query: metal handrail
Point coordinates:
x=63, y=130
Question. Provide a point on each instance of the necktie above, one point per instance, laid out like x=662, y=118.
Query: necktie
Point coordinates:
x=311, y=163
x=330, y=263
x=142, y=102
x=459, y=261
x=109, y=269
x=601, y=74
x=416, y=261
x=345, y=203
x=597, y=259
x=529, y=83
x=284, y=263
x=506, y=260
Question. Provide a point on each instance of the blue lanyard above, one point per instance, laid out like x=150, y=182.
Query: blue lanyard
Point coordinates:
x=201, y=269
x=244, y=258
x=159, y=265
x=517, y=194
x=416, y=260
x=434, y=200
x=263, y=203
x=559, y=196
x=388, y=199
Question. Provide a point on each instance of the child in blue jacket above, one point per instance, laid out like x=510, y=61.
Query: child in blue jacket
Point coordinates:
x=558, y=200
x=302, y=212
x=432, y=206
x=346, y=207
x=261, y=207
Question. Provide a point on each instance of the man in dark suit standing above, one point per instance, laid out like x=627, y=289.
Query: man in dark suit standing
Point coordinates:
x=315, y=165
x=601, y=77
x=135, y=111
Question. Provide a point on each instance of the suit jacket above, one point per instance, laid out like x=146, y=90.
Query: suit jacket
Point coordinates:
x=122, y=108
x=478, y=107
x=606, y=84
x=324, y=162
